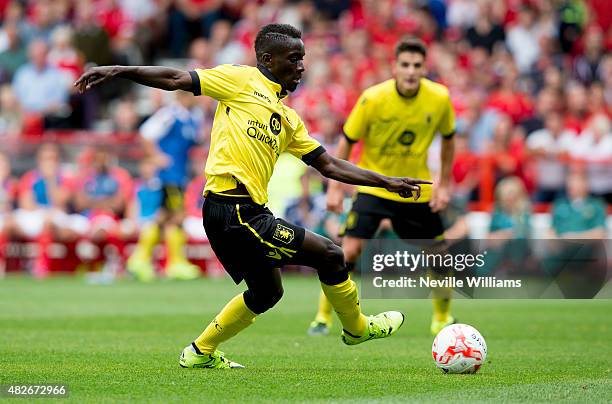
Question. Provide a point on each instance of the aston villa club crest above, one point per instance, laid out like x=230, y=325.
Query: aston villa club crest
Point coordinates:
x=283, y=234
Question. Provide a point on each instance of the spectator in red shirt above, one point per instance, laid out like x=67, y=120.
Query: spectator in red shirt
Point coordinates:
x=597, y=101
x=507, y=151
x=319, y=96
x=508, y=99
x=465, y=168
x=63, y=55
x=44, y=194
x=601, y=13
x=114, y=20
x=102, y=196
x=577, y=110
x=8, y=195
x=355, y=47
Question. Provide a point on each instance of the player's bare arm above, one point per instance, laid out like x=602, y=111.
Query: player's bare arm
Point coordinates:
x=344, y=171
x=335, y=194
x=165, y=78
x=441, y=193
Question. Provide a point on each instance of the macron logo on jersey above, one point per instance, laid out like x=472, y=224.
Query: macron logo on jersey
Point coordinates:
x=260, y=95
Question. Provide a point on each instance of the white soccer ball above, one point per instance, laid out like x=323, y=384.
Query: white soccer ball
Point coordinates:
x=459, y=348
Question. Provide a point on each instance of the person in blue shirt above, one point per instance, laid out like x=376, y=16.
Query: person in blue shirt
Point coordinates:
x=148, y=194
x=579, y=215
x=41, y=88
x=101, y=196
x=43, y=202
x=146, y=200
x=511, y=216
x=168, y=136
x=510, y=226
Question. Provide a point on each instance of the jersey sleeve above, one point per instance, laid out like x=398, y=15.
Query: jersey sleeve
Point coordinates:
x=356, y=125
x=223, y=82
x=303, y=146
x=446, y=127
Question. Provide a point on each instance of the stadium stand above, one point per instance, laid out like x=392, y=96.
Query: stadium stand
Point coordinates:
x=530, y=81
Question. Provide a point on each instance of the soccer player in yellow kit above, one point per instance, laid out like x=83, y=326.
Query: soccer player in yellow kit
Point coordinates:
x=251, y=128
x=397, y=121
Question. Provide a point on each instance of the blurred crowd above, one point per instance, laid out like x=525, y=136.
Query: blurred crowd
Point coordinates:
x=530, y=82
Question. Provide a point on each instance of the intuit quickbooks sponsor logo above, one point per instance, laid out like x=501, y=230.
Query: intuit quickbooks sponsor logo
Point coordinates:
x=275, y=123
x=255, y=133
x=258, y=124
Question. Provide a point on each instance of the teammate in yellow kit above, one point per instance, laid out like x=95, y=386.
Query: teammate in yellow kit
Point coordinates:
x=397, y=120
x=251, y=128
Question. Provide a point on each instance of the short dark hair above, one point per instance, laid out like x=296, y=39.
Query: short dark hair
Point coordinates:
x=413, y=45
x=273, y=36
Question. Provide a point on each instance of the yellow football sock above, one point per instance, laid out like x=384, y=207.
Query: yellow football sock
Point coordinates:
x=441, y=298
x=441, y=308
x=175, y=244
x=149, y=236
x=324, y=313
x=234, y=317
x=345, y=301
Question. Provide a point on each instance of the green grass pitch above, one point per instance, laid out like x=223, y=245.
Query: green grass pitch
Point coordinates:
x=120, y=343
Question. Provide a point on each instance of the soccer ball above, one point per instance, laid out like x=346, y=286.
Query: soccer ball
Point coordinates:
x=459, y=348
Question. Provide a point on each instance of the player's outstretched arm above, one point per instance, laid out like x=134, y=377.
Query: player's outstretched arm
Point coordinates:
x=441, y=194
x=165, y=78
x=344, y=171
x=335, y=193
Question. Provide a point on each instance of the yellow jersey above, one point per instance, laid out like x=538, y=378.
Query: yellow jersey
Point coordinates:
x=251, y=129
x=397, y=132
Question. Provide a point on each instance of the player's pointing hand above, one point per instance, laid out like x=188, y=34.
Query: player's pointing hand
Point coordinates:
x=406, y=187
x=94, y=76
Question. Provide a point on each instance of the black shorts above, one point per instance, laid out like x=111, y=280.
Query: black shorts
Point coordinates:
x=409, y=220
x=173, y=198
x=247, y=237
